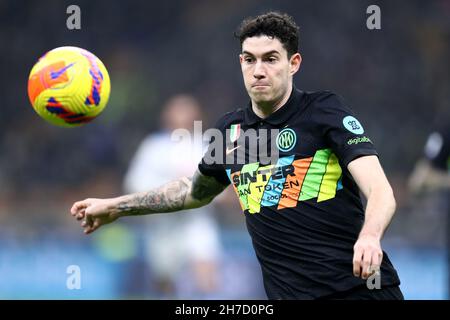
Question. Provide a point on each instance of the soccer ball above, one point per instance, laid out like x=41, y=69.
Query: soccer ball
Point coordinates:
x=68, y=86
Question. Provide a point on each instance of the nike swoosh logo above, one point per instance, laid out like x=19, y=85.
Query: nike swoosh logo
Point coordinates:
x=56, y=74
x=228, y=151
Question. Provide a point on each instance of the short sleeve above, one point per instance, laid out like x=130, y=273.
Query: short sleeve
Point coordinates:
x=341, y=128
x=209, y=166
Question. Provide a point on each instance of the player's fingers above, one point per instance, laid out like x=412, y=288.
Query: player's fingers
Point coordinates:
x=357, y=256
x=87, y=228
x=366, y=263
x=87, y=221
x=377, y=257
x=81, y=214
x=77, y=206
x=94, y=227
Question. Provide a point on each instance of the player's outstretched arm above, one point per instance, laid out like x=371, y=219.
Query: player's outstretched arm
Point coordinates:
x=184, y=193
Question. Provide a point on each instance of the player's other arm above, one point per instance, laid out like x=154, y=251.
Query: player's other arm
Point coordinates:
x=184, y=193
x=372, y=181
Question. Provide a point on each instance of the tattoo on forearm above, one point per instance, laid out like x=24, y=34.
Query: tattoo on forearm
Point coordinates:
x=177, y=195
x=168, y=198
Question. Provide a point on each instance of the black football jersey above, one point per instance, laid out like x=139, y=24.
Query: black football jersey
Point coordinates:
x=303, y=212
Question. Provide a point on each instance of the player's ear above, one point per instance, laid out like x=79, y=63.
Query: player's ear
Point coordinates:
x=294, y=63
x=241, y=58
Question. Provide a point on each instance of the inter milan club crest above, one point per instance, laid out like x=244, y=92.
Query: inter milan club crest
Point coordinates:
x=286, y=140
x=235, y=131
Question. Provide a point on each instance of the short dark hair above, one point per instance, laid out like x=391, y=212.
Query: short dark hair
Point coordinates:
x=271, y=24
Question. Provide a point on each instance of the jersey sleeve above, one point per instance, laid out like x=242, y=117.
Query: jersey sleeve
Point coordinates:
x=342, y=130
x=212, y=163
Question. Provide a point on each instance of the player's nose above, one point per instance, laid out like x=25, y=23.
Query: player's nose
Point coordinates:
x=259, y=71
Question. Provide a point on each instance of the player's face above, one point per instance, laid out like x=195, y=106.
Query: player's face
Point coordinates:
x=266, y=69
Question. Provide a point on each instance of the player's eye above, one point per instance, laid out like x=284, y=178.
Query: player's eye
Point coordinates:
x=248, y=59
x=272, y=59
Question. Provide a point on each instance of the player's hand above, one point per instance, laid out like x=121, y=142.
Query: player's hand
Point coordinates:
x=367, y=256
x=94, y=213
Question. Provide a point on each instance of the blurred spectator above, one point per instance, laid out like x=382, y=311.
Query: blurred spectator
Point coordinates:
x=432, y=174
x=432, y=171
x=183, y=248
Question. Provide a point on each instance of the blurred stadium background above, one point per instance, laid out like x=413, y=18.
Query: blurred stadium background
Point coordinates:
x=396, y=79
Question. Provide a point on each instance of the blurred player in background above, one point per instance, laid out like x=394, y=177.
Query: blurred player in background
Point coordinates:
x=432, y=170
x=310, y=232
x=183, y=250
x=432, y=175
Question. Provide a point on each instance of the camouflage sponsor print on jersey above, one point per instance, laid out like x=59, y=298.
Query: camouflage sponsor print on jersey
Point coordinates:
x=288, y=182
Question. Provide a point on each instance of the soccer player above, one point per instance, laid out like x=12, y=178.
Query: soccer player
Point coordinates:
x=304, y=213
x=432, y=174
x=187, y=244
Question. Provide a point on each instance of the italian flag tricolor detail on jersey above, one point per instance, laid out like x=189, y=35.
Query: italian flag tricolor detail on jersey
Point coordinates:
x=235, y=131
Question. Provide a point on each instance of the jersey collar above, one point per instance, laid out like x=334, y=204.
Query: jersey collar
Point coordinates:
x=281, y=115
